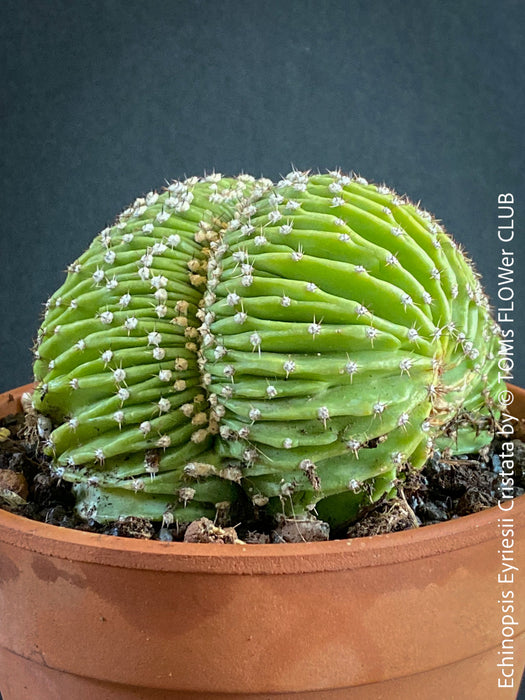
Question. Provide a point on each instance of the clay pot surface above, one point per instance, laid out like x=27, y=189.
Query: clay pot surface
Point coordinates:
x=413, y=614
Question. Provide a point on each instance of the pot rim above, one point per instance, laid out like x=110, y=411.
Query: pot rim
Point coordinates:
x=308, y=557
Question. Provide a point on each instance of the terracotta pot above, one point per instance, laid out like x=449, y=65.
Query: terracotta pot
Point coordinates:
x=414, y=614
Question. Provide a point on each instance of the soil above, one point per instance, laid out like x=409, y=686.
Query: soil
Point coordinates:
x=446, y=488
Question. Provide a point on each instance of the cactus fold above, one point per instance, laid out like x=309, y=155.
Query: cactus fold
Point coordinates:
x=305, y=343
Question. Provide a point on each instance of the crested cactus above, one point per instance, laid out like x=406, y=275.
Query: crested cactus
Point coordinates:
x=304, y=344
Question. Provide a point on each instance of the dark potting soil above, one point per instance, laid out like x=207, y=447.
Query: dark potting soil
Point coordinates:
x=446, y=488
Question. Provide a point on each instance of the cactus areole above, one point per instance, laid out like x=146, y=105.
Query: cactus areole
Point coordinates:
x=297, y=348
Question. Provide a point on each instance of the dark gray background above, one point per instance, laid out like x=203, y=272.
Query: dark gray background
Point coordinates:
x=102, y=101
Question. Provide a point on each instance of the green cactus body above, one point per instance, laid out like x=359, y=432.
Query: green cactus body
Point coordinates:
x=118, y=359
x=306, y=342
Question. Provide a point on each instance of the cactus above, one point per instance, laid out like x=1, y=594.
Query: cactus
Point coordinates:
x=304, y=344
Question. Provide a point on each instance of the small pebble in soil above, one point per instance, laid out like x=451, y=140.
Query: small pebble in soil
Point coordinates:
x=165, y=535
x=300, y=530
x=13, y=482
x=390, y=516
x=253, y=537
x=205, y=531
x=132, y=526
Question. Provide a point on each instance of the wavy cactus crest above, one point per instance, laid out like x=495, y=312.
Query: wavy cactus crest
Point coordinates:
x=306, y=343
